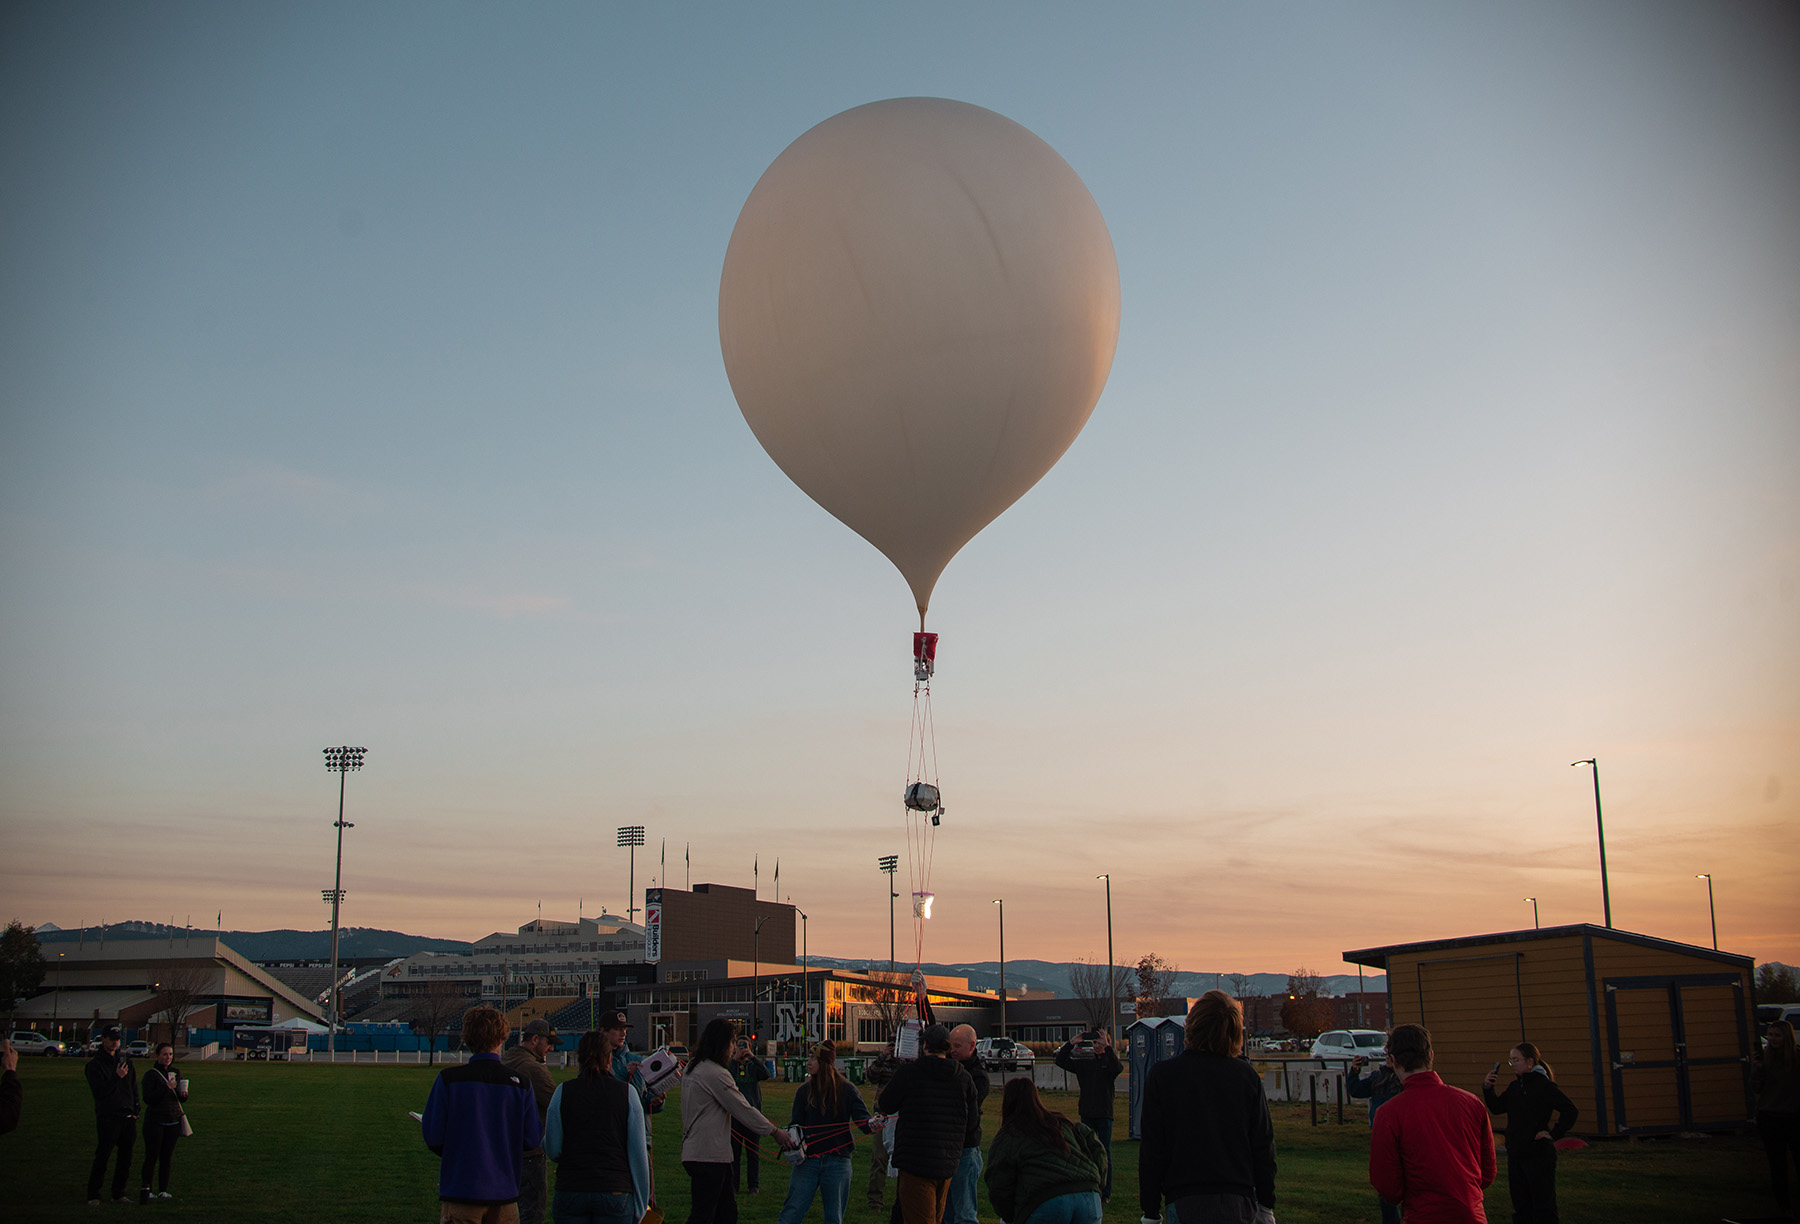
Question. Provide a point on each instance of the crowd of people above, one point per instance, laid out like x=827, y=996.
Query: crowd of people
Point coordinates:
x=1208, y=1140
x=1207, y=1155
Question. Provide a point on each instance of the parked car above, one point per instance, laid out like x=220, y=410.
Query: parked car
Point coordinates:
x=1768, y=1013
x=27, y=1042
x=138, y=1049
x=1004, y=1054
x=1341, y=1045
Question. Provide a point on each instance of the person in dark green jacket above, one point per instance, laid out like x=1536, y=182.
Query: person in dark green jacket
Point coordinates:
x=1043, y=1168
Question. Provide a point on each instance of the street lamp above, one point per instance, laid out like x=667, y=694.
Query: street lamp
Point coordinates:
x=339, y=761
x=1600, y=827
x=890, y=863
x=1002, y=904
x=1112, y=986
x=1535, y=924
x=805, y=984
x=633, y=837
x=756, y=974
x=1710, y=911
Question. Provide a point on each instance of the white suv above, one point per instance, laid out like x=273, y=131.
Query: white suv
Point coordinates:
x=26, y=1042
x=1342, y=1045
x=1004, y=1054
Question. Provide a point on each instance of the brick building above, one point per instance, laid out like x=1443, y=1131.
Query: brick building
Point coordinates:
x=717, y=922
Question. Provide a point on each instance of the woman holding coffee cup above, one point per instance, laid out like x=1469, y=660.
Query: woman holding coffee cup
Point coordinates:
x=163, y=1095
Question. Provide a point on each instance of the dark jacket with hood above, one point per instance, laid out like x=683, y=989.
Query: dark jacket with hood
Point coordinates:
x=1096, y=1076
x=1528, y=1103
x=1206, y=1130
x=934, y=1098
x=115, y=1095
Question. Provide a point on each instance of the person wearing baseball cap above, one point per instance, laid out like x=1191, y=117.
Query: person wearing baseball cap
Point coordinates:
x=113, y=1081
x=526, y=1060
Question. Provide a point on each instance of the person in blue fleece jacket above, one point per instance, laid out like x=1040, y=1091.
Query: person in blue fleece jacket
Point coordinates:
x=481, y=1119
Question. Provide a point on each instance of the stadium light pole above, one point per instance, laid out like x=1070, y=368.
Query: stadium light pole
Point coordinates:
x=340, y=761
x=890, y=863
x=1600, y=827
x=631, y=836
x=1112, y=986
x=1535, y=924
x=1710, y=911
x=1001, y=902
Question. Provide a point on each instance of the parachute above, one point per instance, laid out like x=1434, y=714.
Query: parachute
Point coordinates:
x=918, y=310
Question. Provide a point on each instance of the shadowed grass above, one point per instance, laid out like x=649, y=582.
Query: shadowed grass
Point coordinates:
x=290, y=1143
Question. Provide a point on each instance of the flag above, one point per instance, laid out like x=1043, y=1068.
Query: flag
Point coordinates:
x=755, y=873
x=778, y=877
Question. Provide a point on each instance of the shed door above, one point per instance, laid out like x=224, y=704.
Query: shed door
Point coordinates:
x=1679, y=1051
x=1716, y=1053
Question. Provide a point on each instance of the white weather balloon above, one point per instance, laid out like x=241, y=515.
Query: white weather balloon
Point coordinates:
x=918, y=311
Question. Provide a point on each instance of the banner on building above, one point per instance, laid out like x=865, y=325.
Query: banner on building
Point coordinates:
x=247, y=1012
x=653, y=925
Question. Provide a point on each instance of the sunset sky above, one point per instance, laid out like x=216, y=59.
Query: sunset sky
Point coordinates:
x=360, y=383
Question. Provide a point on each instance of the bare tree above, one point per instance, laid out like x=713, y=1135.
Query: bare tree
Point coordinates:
x=1099, y=987
x=892, y=1002
x=1155, y=982
x=179, y=986
x=433, y=1011
x=1304, y=1014
x=1238, y=982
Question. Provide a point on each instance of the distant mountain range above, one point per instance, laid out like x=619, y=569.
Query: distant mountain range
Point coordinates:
x=355, y=943
x=1054, y=975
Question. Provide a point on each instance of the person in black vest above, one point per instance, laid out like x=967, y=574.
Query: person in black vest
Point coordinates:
x=1095, y=1065
x=113, y=1081
x=594, y=1131
x=935, y=1099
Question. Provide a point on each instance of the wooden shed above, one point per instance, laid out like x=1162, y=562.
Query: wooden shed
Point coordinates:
x=1646, y=1035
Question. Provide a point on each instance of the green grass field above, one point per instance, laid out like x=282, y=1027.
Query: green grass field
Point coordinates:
x=274, y=1142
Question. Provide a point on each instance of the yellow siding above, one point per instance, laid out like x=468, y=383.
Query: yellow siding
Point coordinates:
x=1472, y=1001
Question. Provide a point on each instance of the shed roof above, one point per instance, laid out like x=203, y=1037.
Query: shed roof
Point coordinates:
x=1377, y=958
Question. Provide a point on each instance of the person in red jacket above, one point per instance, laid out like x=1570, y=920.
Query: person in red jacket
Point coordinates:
x=1433, y=1147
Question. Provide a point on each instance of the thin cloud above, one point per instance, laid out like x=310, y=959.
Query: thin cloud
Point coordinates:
x=489, y=603
x=276, y=487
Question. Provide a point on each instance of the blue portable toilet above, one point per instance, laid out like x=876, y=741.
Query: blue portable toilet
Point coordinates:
x=1149, y=1042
